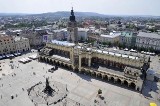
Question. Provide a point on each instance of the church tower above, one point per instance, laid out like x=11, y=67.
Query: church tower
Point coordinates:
x=72, y=28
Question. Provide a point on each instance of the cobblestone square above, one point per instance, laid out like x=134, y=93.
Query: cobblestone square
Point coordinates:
x=82, y=89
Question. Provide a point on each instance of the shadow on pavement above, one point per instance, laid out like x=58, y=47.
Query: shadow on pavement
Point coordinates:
x=149, y=88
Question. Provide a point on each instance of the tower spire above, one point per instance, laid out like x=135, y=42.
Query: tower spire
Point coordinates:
x=72, y=17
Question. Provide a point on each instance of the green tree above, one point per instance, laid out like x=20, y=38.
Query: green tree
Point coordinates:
x=123, y=45
x=151, y=49
x=104, y=43
x=120, y=45
x=116, y=43
x=109, y=44
x=152, y=30
x=81, y=39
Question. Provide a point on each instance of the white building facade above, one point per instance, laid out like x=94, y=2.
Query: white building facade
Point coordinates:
x=82, y=34
x=148, y=40
x=112, y=37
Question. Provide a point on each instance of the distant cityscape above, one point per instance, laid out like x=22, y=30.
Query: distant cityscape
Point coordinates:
x=140, y=33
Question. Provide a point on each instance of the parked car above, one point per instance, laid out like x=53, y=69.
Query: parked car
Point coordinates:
x=19, y=54
x=125, y=49
x=15, y=54
x=132, y=50
x=142, y=52
x=1, y=57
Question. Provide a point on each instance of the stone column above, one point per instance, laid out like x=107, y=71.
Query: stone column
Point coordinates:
x=102, y=76
x=136, y=87
x=122, y=81
x=80, y=57
x=72, y=57
x=109, y=78
x=129, y=84
x=115, y=80
x=89, y=60
x=96, y=75
x=73, y=67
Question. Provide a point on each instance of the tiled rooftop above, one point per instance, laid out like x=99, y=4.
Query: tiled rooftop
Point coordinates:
x=149, y=35
x=126, y=34
x=19, y=38
x=62, y=43
x=111, y=35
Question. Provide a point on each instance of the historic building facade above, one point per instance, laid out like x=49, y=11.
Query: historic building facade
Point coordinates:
x=35, y=36
x=118, y=68
x=7, y=45
x=93, y=35
x=112, y=37
x=21, y=44
x=148, y=40
x=128, y=38
x=13, y=44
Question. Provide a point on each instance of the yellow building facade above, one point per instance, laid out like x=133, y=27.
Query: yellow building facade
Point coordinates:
x=7, y=45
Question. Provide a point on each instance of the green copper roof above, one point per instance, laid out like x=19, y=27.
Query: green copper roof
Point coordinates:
x=126, y=34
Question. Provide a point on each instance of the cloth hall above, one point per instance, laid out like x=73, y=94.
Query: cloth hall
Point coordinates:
x=122, y=69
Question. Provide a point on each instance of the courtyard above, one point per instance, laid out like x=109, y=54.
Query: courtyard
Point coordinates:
x=82, y=89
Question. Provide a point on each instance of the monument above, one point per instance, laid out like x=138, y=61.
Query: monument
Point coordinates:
x=47, y=92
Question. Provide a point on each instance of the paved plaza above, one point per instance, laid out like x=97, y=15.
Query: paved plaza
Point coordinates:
x=155, y=63
x=82, y=89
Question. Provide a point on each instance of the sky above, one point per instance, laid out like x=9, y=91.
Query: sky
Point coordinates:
x=108, y=7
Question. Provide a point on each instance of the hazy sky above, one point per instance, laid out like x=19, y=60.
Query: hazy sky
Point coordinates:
x=110, y=7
